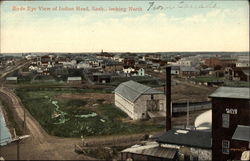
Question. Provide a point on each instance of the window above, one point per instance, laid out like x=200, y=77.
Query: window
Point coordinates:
x=225, y=120
x=225, y=146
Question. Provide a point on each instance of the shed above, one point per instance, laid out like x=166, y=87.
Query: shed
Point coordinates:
x=74, y=80
x=102, y=77
x=150, y=151
x=11, y=79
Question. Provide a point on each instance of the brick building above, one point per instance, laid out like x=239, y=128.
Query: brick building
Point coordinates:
x=230, y=108
x=220, y=62
x=240, y=141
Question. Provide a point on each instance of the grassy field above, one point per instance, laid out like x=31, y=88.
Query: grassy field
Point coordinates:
x=146, y=80
x=206, y=79
x=74, y=117
x=237, y=84
x=226, y=82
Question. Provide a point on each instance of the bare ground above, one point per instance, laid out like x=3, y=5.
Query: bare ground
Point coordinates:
x=108, y=98
x=41, y=146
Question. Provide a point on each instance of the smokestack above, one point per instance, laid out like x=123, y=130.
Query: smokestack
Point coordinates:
x=168, y=98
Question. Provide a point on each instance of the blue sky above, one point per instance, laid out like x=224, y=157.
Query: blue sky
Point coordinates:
x=180, y=26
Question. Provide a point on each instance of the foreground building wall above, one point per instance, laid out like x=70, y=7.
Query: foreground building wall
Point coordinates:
x=125, y=105
x=230, y=108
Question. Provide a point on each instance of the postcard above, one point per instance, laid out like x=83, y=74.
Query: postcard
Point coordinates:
x=124, y=80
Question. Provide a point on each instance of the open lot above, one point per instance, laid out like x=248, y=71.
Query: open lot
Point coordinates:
x=74, y=113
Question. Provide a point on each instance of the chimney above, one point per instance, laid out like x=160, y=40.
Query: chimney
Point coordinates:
x=168, y=98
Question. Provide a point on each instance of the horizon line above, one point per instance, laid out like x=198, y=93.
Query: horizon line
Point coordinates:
x=125, y=52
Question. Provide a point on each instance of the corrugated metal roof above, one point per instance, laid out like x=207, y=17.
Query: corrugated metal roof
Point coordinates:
x=187, y=137
x=232, y=92
x=153, y=91
x=152, y=150
x=75, y=78
x=242, y=133
x=159, y=152
x=131, y=90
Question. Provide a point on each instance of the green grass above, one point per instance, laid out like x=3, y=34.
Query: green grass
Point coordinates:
x=226, y=82
x=107, y=122
x=206, y=79
x=146, y=80
x=59, y=90
x=236, y=84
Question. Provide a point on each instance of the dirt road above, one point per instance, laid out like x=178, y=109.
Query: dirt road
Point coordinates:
x=41, y=146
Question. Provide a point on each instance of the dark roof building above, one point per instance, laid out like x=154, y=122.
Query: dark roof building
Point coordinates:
x=185, y=137
x=173, y=144
x=101, y=77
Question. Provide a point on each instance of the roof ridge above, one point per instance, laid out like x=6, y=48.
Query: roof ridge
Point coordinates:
x=136, y=83
x=135, y=88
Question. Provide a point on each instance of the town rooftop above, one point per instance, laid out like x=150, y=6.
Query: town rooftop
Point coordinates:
x=232, y=92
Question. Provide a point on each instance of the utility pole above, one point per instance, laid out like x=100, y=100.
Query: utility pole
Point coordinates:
x=187, y=113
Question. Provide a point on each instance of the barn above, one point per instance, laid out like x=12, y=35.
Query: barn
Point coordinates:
x=140, y=101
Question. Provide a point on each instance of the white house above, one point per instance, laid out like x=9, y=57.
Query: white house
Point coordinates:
x=128, y=70
x=141, y=72
x=33, y=68
x=189, y=61
x=82, y=65
x=69, y=64
x=140, y=101
x=243, y=61
x=175, y=70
